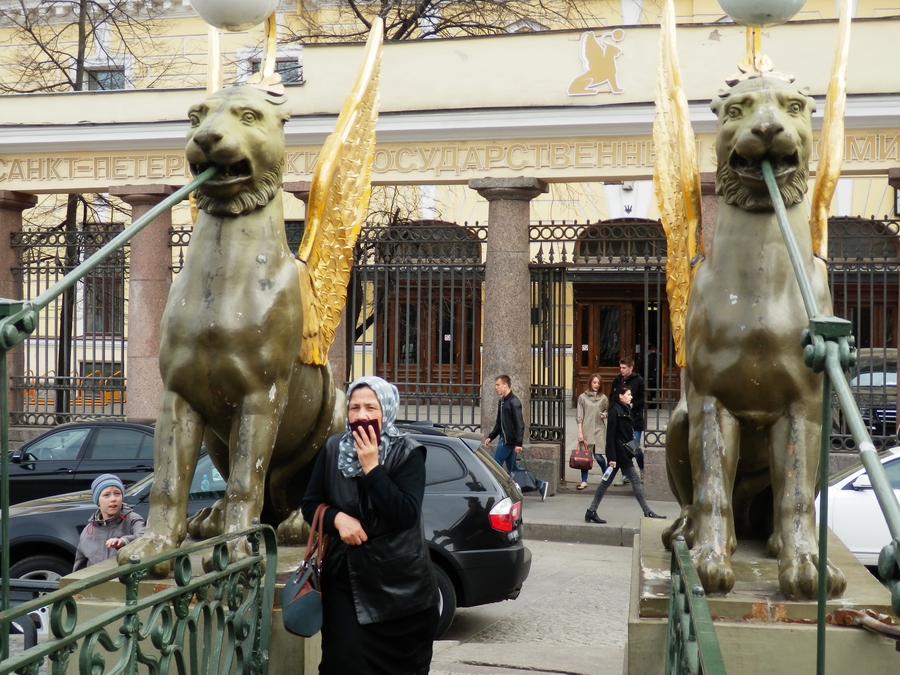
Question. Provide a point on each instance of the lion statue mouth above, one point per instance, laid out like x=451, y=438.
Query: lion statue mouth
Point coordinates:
x=749, y=171
x=228, y=175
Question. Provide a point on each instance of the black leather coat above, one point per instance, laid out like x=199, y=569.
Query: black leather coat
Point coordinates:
x=510, y=424
x=390, y=574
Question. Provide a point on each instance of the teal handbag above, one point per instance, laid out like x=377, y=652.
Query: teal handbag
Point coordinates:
x=301, y=597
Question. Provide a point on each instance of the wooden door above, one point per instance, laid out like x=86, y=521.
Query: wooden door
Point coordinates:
x=603, y=329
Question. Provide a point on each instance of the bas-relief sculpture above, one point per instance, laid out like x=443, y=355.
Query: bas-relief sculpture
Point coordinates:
x=742, y=446
x=247, y=325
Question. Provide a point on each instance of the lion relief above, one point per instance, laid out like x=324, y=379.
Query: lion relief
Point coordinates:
x=763, y=118
x=237, y=130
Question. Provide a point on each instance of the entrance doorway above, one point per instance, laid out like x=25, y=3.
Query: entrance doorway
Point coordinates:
x=616, y=320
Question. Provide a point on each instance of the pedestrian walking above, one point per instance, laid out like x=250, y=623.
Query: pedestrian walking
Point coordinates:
x=628, y=378
x=112, y=526
x=591, y=414
x=619, y=432
x=510, y=427
x=379, y=594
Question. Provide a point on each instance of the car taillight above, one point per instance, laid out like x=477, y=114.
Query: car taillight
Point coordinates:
x=505, y=515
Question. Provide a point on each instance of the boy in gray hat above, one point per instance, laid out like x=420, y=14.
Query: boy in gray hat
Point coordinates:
x=111, y=527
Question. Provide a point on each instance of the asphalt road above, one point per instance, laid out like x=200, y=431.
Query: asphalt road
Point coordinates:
x=571, y=618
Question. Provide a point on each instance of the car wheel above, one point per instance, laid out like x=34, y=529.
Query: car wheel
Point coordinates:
x=447, y=602
x=41, y=568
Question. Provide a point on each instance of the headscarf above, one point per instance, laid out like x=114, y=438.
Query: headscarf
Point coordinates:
x=389, y=399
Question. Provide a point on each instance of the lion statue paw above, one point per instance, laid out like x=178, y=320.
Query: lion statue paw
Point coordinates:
x=208, y=522
x=293, y=530
x=147, y=545
x=714, y=569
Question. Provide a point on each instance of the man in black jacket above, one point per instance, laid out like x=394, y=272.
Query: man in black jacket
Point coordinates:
x=510, y=427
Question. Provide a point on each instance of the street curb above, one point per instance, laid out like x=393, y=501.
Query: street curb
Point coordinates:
x=605, y=535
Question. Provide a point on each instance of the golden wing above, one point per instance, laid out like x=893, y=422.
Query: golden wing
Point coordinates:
x=338, y=199
x=676, y=178
x=831, y=143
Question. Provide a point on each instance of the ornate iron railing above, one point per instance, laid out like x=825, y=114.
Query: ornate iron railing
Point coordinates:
x=691, y=644
x=215, y=622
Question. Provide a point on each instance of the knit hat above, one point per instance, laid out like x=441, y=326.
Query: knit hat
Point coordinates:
x=104, y=481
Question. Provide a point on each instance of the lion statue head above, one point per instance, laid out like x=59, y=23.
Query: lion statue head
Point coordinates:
x=762, y=118
x=240, y=131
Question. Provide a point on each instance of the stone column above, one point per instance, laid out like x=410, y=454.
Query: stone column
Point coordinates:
x=507, y=291
x=148, y=289
x=337, y=354
x=11, y=206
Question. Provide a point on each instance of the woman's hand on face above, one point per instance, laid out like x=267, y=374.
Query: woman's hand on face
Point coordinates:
x=350, y=529
x=366, y=444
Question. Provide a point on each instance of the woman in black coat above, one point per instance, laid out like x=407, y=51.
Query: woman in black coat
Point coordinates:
x=379, y=595
x=619, y=432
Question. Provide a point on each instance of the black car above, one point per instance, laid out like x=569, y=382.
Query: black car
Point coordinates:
x=71, y=456
x=472, y=515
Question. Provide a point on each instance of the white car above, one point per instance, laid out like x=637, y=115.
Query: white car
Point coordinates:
x=853, y=511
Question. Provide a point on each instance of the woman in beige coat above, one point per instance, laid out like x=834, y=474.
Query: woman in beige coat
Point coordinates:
x=593, y=406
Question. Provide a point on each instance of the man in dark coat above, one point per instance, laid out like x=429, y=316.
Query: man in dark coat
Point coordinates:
x=510, y=427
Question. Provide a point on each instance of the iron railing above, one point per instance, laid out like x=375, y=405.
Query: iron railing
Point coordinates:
x=18, y=319
x=691, y=644
x=214, y=622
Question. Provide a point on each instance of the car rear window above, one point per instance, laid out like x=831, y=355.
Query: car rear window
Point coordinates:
x=442, y=465
x=113, y=443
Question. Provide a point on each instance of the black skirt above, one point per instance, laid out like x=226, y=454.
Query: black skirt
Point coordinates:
x=401, y=646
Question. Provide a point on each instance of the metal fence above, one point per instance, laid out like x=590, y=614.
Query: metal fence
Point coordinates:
x=414, y=308
x=73, y=365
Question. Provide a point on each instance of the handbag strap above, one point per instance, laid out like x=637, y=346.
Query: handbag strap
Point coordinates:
x=315, y=543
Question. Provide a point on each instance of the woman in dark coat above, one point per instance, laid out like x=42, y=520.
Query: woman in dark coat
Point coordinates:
x=379, y=594
x=618, y=432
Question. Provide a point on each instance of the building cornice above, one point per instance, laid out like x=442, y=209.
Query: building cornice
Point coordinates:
x=863, y=112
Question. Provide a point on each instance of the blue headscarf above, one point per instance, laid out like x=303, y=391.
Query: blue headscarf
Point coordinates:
x=389, y=399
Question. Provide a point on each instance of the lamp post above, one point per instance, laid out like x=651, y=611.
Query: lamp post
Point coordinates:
x=240, y=15
x=756, y=15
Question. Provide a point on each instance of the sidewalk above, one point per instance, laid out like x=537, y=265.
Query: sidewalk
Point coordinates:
x=561, y=516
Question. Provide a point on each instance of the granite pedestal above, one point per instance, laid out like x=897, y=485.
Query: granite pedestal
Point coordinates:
x=760, y=632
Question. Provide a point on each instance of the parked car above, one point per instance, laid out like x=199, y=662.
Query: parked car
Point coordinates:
x=472, y=514
x=853, y=511
x=71, y=456
x=873, y=381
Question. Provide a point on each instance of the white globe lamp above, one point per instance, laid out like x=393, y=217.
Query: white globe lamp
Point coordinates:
x=760, y=13
x=235, y=15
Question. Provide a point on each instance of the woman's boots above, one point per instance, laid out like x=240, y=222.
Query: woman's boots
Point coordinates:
x=592, y=517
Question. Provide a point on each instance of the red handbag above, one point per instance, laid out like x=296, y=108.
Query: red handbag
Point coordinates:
x=581, y=457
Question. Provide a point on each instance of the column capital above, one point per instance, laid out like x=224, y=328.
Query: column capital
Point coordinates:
x=299, y=188
x=17, y=201
x=521, y=188
x=708, y=183
x=142, y=195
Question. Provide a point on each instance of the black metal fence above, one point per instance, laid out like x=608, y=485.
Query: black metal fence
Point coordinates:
x=73, y=366
x=414, y=313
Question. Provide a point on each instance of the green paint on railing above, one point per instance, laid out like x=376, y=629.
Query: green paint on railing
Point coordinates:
x=18, y=319
x=692, y=647
x=215, y=622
